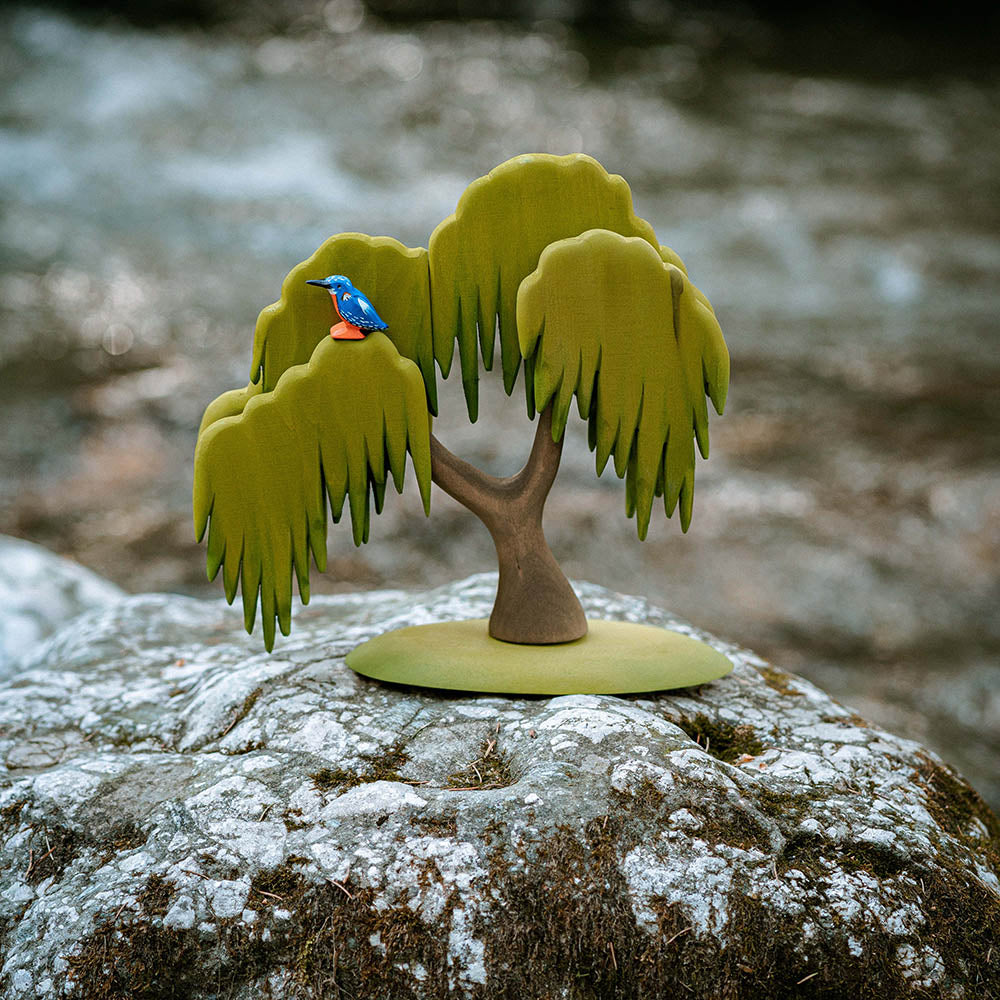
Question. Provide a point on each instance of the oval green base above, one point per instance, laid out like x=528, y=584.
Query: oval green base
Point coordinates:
x=613, y=658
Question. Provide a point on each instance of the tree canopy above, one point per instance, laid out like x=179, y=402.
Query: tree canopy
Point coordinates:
x=545, y=252
x=330, y=428
x=608, y=321
x=480, y=255
x=393, y=275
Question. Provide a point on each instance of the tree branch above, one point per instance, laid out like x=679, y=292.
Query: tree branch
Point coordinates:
x=470, y=486
x=539, y=473
x=482, y=493
x=535, y=602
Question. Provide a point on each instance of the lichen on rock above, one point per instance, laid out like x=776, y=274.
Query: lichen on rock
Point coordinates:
x=39, y=592
x=183, y=815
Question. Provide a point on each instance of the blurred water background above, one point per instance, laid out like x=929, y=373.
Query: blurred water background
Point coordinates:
x=831, y=183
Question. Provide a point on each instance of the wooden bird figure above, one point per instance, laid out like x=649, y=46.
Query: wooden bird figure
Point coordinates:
x=357, y=313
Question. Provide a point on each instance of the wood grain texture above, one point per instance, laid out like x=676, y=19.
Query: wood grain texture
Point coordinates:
x=535, y=602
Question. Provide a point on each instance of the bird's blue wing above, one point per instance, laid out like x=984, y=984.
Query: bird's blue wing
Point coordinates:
x=359, y=311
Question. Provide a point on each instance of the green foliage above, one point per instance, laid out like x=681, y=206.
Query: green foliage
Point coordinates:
x=338, y=427
x=607, y=320
x=503, y=222
x=393, y=276
x=229, y=404
x=547, y=251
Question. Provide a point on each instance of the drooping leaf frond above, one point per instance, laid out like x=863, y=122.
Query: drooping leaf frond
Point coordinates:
x=229, y=404
x=481, y=253
x=334, y=428
x=606, y=319
x=703, y=341
x=670, y=256
x=394, y=277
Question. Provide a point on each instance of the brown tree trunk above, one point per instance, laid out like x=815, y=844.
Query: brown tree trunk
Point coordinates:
x=535, y=603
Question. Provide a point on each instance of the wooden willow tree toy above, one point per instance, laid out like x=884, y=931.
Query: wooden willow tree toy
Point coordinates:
x=546, y=255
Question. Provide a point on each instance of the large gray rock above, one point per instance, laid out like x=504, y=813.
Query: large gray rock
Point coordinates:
x=39, y=592
x=184, y=815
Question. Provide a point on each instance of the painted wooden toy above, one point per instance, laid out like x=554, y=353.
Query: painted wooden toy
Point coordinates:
x=546, y=256
x=356, y=312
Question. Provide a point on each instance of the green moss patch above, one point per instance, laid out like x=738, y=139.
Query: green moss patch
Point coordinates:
x=120, y=837
x=815, y=856
x=769, y=956
x=779, y=681
x=51, y=850
x=52, y=847
x=334, y=779
x=490, y=769
x=723, y=741
x=436, y=826
x=784, y=805
x=337, y=945
x=10, y=815
x=963, y=923
x=156, y=895
x=214, y=868
x=955, y=804
x=376, y=767
x=561, y=921
x=135, y=960
x=566, y=927
x=292, y=818
x=644, y=797
x=737, y=828
x=642, y=809
x=277, y=886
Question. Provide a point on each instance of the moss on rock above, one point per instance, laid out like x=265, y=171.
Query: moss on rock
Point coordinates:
x=490, y=769
x=383, y=766
x=593, y=851
x=722, y=740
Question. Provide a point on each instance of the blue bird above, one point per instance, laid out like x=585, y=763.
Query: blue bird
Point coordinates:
x=358, y=314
